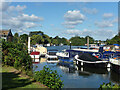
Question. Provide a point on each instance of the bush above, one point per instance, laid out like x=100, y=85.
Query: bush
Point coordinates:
x=15, y=54
x=49, y=78
x=108, y=86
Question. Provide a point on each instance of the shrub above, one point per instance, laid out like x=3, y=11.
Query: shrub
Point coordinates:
x=49, y=78
x=15, y=54
x=108, y=86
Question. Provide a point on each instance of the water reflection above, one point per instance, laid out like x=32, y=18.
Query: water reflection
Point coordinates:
x=73, y=75
x=114, y=77
x=66, y=67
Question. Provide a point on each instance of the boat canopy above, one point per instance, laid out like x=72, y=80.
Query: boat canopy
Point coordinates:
x=116, y=44
x=88, y=57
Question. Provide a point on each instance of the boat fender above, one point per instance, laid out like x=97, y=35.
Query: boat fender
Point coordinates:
x=112, y=55
x=81, y=63
x=77, y=62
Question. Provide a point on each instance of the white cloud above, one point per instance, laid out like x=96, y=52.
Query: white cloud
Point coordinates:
x=107, y=15
x=97, y=34
x=73, y=18
x=89, y=10
x=14, y=18
x=17, y=8
x=106, y=23
x=32, y=18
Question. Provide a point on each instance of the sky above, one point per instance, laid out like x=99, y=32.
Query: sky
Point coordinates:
x=63, y=19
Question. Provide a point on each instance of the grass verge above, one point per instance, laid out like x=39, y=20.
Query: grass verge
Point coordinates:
x=14, y=79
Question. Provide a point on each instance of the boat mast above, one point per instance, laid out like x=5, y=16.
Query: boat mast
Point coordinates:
x=88, y=42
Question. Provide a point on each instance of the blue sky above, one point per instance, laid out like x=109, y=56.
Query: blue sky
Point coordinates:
x=65, y=19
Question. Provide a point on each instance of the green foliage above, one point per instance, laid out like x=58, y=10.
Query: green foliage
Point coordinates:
x=49, y=78
x=36, y=33
x=15, y=54
x=114, y=40
x=57, y=40
x=77, y=41
x=24, y=38
x=16, y=38
x=108, y=86
x=37, y=39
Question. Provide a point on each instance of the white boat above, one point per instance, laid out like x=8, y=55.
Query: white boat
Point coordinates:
x=115, y=64
x=51, y=56
x=63, y=55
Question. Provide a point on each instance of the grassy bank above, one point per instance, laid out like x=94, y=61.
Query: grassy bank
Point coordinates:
x=14, y=79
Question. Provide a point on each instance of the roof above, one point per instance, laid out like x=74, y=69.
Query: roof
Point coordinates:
x=88, y=57
x=35, y=53
x=6, y=32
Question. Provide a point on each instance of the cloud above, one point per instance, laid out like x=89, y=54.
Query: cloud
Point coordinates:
x=107, y=15
x=32, y=18
x=17, y=8
x=97, y=34
x=106, y=23
x=14, y=18
x=89, y=10
x=73, y=18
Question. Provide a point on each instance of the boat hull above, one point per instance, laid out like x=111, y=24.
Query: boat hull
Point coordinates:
x=115, y=68
x=60, y=57
x=85, y=64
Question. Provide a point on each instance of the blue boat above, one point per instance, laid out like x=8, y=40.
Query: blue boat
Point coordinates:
x=101, y=54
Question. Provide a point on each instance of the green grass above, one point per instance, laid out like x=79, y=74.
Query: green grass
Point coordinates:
x=13, y=79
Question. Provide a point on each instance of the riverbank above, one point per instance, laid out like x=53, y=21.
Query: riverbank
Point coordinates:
x=14, y=79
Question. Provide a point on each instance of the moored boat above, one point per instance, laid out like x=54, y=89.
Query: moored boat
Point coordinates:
x=35, y=56
x=86, y=59
x=51, y=56
x=115, y=64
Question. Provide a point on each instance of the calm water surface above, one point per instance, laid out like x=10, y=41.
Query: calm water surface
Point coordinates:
x=81, y=77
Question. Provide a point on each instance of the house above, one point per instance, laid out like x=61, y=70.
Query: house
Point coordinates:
x=6, y=35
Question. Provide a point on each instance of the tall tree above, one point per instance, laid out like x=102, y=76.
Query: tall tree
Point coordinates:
x=16, y=38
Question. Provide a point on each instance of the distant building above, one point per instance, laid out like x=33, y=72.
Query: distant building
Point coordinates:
x=6, y=35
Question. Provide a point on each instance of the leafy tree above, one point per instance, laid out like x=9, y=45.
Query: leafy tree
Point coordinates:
x=36, y=33
x=16, y=38
x=55, y=41
x=77, y=41
x=24, y=38
x=114, y=40
x=37, y=39
x=15, y=54
x=91, y=40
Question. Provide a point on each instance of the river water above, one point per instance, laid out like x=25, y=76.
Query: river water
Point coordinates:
x=81, y=77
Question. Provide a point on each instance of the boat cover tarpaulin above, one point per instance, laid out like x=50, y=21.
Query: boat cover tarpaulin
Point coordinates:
x=88, y=57
x=35, y=53
x=116, y=44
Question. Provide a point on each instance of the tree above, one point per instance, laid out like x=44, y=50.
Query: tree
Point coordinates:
x=77, y=41
x=114, y=40
x=91, y=40
x=16, y=38
x=37, y=39
x=24, y=38
x=54, y=41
